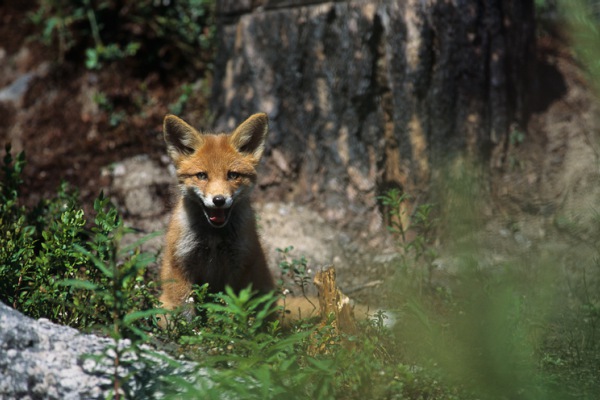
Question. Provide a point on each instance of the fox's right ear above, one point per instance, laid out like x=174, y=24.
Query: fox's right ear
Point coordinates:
x=182, y=139
x=249, y=137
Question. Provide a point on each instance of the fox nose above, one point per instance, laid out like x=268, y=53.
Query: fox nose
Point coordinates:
x=219, y=200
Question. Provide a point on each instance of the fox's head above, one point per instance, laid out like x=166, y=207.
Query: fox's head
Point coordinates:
x=216, y=170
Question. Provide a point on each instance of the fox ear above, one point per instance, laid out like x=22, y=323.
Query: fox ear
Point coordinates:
x=250, y=136
x=181, y=138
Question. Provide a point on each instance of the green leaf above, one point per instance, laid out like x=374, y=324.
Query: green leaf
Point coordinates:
x=136, y=315
x=78, y=284
x=97, y=262
x=141, y=241
x=92, y=60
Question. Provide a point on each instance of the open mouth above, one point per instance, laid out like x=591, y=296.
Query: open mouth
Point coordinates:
x=217, y=217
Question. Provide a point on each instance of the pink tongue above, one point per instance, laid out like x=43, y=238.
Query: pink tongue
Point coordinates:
x=217, y=215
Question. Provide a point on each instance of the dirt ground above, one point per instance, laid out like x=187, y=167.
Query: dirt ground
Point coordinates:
x=51, y=111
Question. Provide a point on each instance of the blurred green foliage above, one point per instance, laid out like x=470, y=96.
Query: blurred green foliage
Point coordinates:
x=163, y=35
x=583, y=19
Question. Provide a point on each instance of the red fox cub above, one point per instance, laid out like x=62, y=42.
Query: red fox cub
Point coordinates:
x=212, y=236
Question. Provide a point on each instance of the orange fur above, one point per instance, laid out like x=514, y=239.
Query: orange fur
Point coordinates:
x=212, y=236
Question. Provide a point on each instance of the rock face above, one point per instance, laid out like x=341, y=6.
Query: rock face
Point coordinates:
x=364, y=96
x=42, y=360
x=39, y=359
x=138, y=185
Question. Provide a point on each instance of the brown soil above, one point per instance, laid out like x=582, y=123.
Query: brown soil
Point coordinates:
x=65, y=133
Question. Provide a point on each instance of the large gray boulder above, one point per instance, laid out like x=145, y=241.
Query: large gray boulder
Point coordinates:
x=43, y=360
x=39, y=359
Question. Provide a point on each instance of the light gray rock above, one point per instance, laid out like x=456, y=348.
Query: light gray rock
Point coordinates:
x=138, y=187
x=136, y=183
x=43, y=360
x=15, y=92
x=39, y=359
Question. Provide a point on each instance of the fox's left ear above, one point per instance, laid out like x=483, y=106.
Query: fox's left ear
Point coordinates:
x=250, y=136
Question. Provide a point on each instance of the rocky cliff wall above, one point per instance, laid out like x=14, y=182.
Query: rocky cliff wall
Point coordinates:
x=367, y=95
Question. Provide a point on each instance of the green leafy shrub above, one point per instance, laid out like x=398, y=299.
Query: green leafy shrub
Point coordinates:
x=249, y=357
x=295, y=273
x=415, y=234
x=238, y=338
x=17, y=245
x=53, y=265
x=36, y=247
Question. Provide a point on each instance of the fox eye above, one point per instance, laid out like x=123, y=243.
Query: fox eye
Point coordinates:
x=202, y=176
x=232, y=175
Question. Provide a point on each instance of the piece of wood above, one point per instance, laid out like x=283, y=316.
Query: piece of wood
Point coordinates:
x=334, y=305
